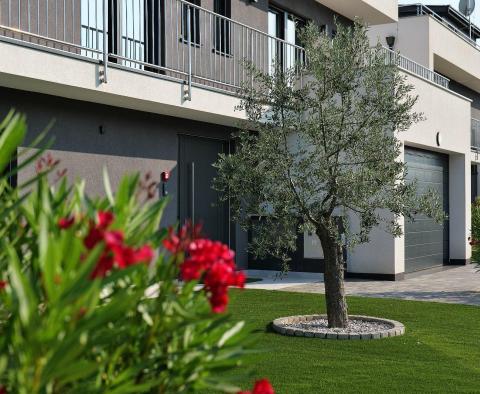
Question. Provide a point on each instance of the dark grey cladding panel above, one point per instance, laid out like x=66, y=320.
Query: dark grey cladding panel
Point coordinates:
x=427, y=242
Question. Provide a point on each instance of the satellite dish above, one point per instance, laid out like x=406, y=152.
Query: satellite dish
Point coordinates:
x=467, y=7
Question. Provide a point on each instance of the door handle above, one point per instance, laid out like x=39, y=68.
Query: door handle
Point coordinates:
x=192, y=192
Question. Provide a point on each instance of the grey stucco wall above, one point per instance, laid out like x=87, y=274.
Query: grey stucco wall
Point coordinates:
x=132, y=141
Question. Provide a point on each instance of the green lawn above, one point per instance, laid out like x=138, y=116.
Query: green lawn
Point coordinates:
x=440, y=351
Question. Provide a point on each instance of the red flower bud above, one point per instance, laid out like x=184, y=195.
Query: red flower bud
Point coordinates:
x=262, y=386
x=66, y=222
x=105, y=219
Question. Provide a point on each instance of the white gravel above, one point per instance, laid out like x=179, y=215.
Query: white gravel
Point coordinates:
x=356, y=326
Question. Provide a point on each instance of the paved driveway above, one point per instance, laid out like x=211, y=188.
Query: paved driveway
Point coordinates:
x=459, y=285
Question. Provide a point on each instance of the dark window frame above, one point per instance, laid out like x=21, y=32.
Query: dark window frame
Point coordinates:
x=280, y=29
x=222, y=38
x=194, y=22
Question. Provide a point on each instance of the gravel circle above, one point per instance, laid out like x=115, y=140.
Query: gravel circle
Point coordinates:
x=360, y=327
x=355, y=326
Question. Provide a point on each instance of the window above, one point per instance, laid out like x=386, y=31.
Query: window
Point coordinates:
x=194, y=22
x=223, y=27
x=284, y=26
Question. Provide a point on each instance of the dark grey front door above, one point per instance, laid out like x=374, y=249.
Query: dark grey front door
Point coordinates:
x=426, y=242
x=197, y=200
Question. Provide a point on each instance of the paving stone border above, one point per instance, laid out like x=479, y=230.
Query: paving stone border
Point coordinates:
x=396, y=328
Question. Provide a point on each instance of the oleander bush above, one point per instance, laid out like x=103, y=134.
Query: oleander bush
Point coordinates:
x=90, y=296
x=475, y=231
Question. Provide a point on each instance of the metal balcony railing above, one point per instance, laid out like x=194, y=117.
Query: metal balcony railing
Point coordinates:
x=407, y=64
x=425, y=10
x=171, y=39
x=475, y=135
x=168, y=38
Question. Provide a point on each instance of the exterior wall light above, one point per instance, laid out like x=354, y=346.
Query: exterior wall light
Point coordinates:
x=390, y=41
x=165, y=176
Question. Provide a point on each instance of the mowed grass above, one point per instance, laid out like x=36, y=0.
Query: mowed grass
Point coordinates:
x=439, y=353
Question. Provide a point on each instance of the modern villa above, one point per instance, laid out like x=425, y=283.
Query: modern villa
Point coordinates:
x=151, y=86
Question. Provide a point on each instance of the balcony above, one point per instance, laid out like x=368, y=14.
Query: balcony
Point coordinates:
x=170, y=40
x=438, y=43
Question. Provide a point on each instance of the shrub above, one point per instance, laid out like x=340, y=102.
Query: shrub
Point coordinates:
x=90, y=300
x=475, y=231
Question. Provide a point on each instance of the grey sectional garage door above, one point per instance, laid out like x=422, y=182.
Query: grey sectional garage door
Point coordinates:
x=426, y=242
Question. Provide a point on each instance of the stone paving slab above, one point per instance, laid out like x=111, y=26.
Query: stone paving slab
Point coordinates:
x=456, y=285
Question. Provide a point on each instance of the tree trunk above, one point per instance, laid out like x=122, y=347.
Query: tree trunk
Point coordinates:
x=337, y=310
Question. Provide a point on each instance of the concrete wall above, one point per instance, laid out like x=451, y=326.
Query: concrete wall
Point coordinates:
x=433, y=45
x=411, y=38
x=385, y=254
x=132, y=141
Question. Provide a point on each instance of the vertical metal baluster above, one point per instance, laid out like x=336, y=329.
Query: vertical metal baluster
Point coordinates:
x=193, y=34
x=189, y=43
x=19, y=13
x=211, y=54
x=73, y=21
x=224, y=49
x=244, y=55
x=127, y=38
x=46, y=20
x=56, y=19
x=28, y=16
x=215, y=52
x=161, y=38
x=133, y=34
x=88, y=23
x=141, y=34
x=38, y=17
x=234, y=57
x=183, y=25
x=206, y=43
x=97, y=44
x=105, y=42
x=175, y=36
x=184, y=31
x=64, y=18
x=152, y=56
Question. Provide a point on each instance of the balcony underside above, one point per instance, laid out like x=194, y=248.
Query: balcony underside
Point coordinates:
x=32, y=68
x=373, y=12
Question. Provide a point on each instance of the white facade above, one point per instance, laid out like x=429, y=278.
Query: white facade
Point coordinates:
x=29, y=65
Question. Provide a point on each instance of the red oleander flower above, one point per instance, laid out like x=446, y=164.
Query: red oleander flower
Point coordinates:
x=180, y=241
x=105, y=219
x=3, y=285
x=103, y=267
x=262, y=386
x=212, y=261
x=66, y=222
x=116, y=253
x=3, y=390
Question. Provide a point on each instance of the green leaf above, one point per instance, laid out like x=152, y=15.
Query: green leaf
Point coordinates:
x=13, y=131
x=20, y=284
x=108, y=187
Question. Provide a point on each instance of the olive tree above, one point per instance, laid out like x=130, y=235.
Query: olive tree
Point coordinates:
x=320, y=148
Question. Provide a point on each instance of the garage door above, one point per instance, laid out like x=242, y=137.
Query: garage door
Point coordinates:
x=426, y=242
